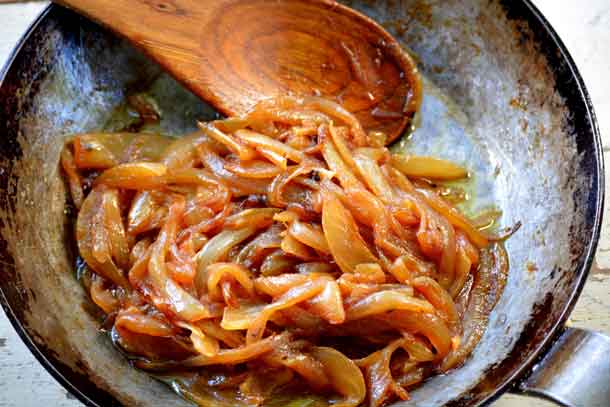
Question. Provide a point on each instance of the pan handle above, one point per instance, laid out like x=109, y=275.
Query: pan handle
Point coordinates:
x=575, y=372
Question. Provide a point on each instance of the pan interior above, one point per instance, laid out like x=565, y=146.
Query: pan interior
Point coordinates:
x=494, y=102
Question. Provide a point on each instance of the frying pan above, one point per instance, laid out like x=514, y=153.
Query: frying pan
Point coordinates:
x=503, y=97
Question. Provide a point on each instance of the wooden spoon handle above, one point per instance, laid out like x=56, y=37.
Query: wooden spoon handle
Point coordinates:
x=169, y=31
x=233, y=53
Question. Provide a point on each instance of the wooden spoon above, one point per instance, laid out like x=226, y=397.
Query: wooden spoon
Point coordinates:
x=233, y=53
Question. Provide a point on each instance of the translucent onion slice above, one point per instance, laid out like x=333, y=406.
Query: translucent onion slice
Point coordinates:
x=143, y=209
x=216, y=250
x=462, y=271
x=310, y=235
x=337, y=165
x=211, y=327
x=438, y=297
x=203, y=344
x=276, y=158
x=92, y=239
x=340, y=142
x=428, y=167
x=240, y=318
x=257, y=140
x=239, y=186
x=255, y=251
x=139, y=175
x=344, y=241
x=277, y=263
x=374, y=177
x=91, y=152
x=325, y=106
x=292, y=297
x=277, y=285
x=379, y=376
x=103, y=297
x=244, y=152
x=137, y=322
x=219, y=272
x=426, y=324
x=328, y=304
x=487, y=286
x=455, y=218
x=74, y=180
x=113, y=222
x=239, y=355
x=253, y=169
x=388, y=300
x=418, y=350
x=345, y=377
x=259, y=217
x=182, y=153
x=174, y=297
x=292, y=246
x=303, y=364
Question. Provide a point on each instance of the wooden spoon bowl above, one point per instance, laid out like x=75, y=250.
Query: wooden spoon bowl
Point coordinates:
x=234, y=53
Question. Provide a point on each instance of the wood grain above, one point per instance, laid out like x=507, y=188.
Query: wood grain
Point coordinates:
x=233, y=53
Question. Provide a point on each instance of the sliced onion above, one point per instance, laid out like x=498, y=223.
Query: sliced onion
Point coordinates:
x=218, y=272
x=238, y=355
x=259, y=217
x=379, y=375
x=175, y=298
x=92, y=239
x=308, y=367
x=462, y=271
x=292, y=246
x=253, y=169
x=428, y=167
x=328, y=304
x=426, y=324
x=74, y=180
x=276, y=158
x=389, y=300
x=143, y=208
x=239, y=186
x=212, y=328
x=337, y=136
x=438, y=297
x=258, y=140
x=310, y=235
x=345, y=377
x=216, y=250
x=456, y=218
x=113, y=222
x=292, y=297
x=240, y=318
x=90, y=152
x=277, y=263
x=137, y=322
x=103, y=297
x=345, y=243
x=374, y=178
x=182, y=153
x=203, y=344
x=244, y=152
x=139, y=175
x=337, y=165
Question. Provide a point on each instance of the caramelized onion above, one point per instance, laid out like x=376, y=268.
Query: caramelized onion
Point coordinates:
x=247, y=245
x=344, y=375
x=345, y=243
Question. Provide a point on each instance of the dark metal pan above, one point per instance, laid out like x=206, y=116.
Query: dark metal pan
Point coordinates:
x=502, y=96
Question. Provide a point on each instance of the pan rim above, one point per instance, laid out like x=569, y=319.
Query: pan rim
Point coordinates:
x=510, y=380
